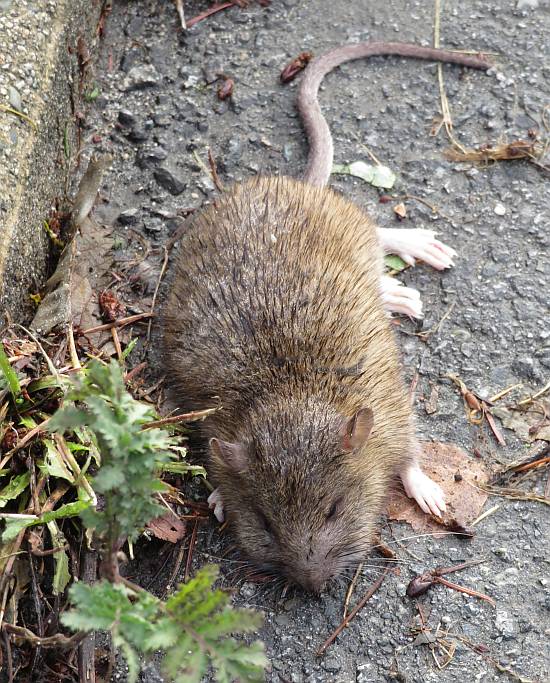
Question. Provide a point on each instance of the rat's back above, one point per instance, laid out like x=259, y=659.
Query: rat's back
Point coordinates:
x=276, y=282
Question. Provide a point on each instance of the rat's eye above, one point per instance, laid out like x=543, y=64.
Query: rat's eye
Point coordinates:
x=333, y=510
x=265, y=522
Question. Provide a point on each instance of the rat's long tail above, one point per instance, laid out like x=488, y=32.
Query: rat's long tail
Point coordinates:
x=319, y=162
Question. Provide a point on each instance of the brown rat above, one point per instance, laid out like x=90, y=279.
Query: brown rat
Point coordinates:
x=277, y=313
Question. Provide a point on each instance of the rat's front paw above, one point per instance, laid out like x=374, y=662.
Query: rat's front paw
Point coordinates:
x=417, y=244
x=427, y=493
x=215, y=503
x=400, y=299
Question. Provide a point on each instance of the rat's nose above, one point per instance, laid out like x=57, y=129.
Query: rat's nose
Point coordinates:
x=313, y=581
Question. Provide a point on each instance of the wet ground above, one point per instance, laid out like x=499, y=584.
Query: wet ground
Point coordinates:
x=158, y=112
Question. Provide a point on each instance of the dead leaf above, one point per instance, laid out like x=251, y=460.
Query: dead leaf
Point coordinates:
x=525, y=422
x=441, y=462
x=293, y=68
x=400, y=210
x=83, y=267
x=169, y=527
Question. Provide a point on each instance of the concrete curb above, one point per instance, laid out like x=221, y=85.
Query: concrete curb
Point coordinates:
x=40, y=77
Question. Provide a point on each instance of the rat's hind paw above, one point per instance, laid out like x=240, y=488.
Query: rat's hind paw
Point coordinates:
x=426, y=492
x=400, y=299
x=416, y=244
x=215, y=503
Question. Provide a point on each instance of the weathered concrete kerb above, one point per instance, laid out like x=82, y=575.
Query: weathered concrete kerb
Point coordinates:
x=40, y=87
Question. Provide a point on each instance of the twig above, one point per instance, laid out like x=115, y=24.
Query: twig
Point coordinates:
x=530, y=399
x=72, y=348
x=215, y=177
x=190, y=550
x=514, y=494
x=121, y=322
x=351, y=589
x=181, y=14
x=131, y=374
x=155, y=293
x=184, y=417
x=492, y=424
x=208, y=12
x=446, y=120
x=24, y=440
x=504, y=392
x=15, y=112
x=486, y=514
x=8, y=657
x=116, y=342
x=503, y=669
x=463, y=589
x=86, y=649
x=59, y=640
x=372, y=590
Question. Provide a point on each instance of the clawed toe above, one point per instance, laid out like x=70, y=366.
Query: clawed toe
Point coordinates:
x=215, y=503
x=417, y=244
x=400, y=299
x=427, y=493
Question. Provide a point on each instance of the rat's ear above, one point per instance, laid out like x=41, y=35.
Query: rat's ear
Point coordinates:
x=357, y=429
x=232, y=454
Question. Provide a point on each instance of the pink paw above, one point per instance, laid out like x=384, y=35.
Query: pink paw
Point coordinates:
x=427, y=493
x=400, y=299
x=215, y=503
x=417, y=244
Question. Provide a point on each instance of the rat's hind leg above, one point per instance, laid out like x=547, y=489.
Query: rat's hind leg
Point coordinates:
x=427, y=493
x=400, y=299
x=215, y=502
x=416, y=244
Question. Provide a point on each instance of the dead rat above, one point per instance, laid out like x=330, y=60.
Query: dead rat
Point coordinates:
x=278, y=314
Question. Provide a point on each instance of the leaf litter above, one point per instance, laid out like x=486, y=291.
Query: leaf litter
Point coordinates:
x=459, y=476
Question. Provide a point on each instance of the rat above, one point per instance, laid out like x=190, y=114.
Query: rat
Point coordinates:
x=278, y=314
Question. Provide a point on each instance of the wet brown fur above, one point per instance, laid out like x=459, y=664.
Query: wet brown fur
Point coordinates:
x=275, y=315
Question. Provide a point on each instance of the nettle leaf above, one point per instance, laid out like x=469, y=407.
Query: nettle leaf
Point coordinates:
x=130, y=455
x=185, y=663
x=233, y=661
x=16, y=486
x=205, y=617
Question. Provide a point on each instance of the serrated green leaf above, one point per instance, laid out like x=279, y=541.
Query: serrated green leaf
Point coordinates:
x=166, y=634
x=108, y=478
x=185, y=663
x=66, y=418
x=231, y=621
x=233, y=660
x=16, y=486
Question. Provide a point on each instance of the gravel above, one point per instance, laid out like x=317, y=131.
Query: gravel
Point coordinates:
x=159, y=113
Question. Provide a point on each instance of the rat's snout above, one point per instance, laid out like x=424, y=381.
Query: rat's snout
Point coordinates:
x=313, y=583
x=311, y=576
